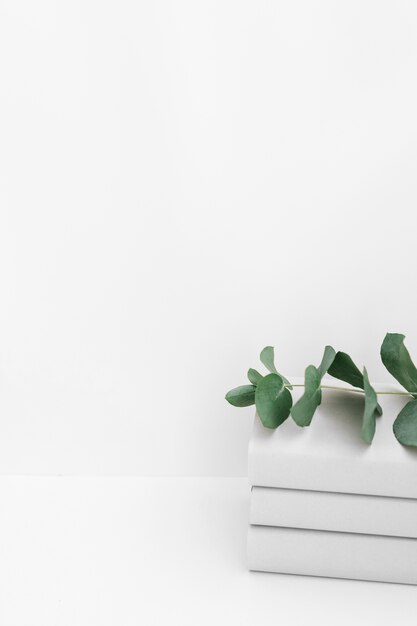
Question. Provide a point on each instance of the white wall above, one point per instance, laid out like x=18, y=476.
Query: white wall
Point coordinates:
x=182, y=183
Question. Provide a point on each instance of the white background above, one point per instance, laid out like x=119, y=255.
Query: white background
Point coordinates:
x=182, y=183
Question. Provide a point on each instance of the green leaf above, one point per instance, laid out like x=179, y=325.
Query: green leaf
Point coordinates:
x=343, y=368
x=267, y=358
x=372, y=410
x=328, y=358
x=273, y=401
x=405, y=426
x=254, y=376
x=302, y=412
x=397, y=360
x=241, y=396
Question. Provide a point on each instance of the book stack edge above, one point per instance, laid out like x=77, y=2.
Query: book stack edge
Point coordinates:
x=324, y=503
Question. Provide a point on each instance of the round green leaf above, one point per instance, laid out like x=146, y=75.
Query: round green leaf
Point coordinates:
x=343, y=368
x=267, y=357
x=397, y=360
x=371, y=411
x=302, y=412
x=254, y=376
x=241, y=396
x=273, y=401
x=405, y=426
x=328, y=358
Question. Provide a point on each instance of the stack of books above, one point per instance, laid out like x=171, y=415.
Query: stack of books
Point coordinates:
x=324, y=503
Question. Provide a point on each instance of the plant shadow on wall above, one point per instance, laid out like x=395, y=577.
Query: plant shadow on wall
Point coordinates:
x=271, y=393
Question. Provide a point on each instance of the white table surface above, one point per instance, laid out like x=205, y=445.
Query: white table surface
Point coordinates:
x=78, y=551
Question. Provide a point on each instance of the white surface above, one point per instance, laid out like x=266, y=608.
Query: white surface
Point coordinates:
x=330, y=455
x=320, y=510
x=158, y=552
x=181, y=184
x=340, y=555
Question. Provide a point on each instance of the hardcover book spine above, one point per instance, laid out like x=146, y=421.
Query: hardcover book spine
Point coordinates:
x=305, y=460
x=332, y=554
x=320, y=510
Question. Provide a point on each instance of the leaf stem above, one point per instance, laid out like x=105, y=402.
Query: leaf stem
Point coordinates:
x=353, y=390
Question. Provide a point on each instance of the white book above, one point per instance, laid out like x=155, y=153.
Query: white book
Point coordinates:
x=332, y=554
x=323, y=510
x=330, y=455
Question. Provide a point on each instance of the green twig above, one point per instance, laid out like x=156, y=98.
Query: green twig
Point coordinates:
x=352, y=390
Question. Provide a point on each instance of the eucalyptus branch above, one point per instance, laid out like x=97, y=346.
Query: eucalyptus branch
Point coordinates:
x=271, y=393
